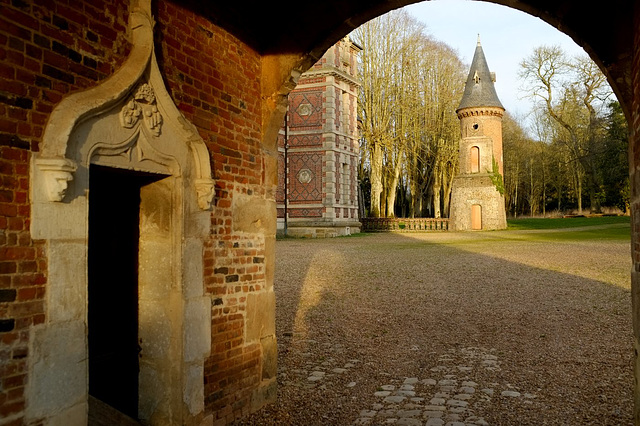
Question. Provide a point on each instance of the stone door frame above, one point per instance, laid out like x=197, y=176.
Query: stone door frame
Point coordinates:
x=129, y=122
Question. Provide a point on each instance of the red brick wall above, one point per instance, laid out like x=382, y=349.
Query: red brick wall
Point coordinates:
x=49, y=51
x=46, y=52
x=215, y=81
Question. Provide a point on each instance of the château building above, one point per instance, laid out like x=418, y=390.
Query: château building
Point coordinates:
x=318, y=149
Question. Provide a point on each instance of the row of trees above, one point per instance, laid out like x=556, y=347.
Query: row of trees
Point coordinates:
x=411, y=86
x=575, y=152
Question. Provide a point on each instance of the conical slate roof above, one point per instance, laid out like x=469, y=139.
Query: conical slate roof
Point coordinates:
x=479, y=90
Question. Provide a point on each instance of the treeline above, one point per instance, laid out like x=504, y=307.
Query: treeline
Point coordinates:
x=542, y=178
x=576, y=159
x=574, y=156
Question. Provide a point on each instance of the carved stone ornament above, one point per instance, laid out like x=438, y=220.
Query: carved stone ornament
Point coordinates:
x=57, y=173
x=205, y=191
x=304, y=109
x=142, y=105
x=138, y=92
x=305, y=176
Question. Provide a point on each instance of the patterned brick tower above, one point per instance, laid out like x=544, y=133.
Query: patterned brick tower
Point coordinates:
x=319, y=184
x=477, y=200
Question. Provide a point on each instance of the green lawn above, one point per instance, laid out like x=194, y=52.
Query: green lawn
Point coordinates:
x=569, y=222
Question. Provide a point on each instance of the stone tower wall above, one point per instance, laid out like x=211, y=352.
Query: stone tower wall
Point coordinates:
x=477, y=190
x=489, y=121
x=480, y=128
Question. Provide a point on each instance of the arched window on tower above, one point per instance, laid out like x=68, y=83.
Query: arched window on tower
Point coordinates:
x=474, y=159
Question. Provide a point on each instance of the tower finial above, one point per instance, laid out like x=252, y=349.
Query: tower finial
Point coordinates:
x=478, y=39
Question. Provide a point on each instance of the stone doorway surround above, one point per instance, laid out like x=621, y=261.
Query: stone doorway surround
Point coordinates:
x=128, y=122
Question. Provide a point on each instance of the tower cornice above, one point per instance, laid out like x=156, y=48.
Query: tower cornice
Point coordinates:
x=329, y=71
x=480, y=111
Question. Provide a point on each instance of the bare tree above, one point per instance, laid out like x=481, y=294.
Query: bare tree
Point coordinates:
x=570, y=91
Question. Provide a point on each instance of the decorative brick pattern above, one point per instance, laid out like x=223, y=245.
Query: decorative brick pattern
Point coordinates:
x=325, y=90
x=49, y=50
x=338, y=173
x=305, y=109
x=304, y=212
x=338, y=110
x=311, y=80
x=281, y=177
x=305, y=140
x=354, y=182
x=305, y=192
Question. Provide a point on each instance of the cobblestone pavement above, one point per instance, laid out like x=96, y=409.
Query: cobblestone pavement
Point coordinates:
x=447, y=396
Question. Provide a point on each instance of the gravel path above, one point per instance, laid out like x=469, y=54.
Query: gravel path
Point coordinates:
x=493, y=328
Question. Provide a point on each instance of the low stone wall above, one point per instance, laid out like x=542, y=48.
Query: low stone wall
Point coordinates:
x=383, y=224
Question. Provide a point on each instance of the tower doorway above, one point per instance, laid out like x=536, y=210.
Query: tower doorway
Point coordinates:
x=114, y=235
x=476, y=217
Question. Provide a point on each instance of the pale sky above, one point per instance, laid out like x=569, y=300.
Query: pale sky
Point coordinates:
x=507, y=36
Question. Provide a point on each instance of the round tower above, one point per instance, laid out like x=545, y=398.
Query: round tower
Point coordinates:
x=477, y=200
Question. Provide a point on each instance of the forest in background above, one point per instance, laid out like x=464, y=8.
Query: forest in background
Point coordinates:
x=571, y=159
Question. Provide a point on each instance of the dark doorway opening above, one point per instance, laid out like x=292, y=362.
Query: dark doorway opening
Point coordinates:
x=114, y=234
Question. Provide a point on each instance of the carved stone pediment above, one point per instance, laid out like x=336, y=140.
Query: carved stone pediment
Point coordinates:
x=142, y=107
x=136, y=92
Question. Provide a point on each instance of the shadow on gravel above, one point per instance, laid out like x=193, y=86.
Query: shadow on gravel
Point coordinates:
x=391, y=307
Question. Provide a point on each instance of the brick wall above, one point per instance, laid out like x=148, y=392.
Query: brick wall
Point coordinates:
x=214, y=80
x=46, y=52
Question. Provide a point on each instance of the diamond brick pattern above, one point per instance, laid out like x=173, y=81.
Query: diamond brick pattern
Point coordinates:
x=311, y=191
x=305, y=109
x=313, y=212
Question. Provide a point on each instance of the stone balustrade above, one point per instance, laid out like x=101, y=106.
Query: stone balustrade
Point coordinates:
x=387, y=224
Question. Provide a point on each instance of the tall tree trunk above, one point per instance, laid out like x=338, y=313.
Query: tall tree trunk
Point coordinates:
x=436, y=201
x=559, y=188
x=594, y=189
x=579, y=191
x=429, y=202
x=531, y=190
x=515, y=197
x=376, y=179
x=393, y=185
x=437, y=184
x=544, y=187
x=446, y=193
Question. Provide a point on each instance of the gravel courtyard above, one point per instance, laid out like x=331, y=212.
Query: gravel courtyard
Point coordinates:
x=491, y=328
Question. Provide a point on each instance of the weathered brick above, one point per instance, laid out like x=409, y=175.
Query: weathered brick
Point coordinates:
x=7, y=295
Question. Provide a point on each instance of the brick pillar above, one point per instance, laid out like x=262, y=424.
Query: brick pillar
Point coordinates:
x=634, y=162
